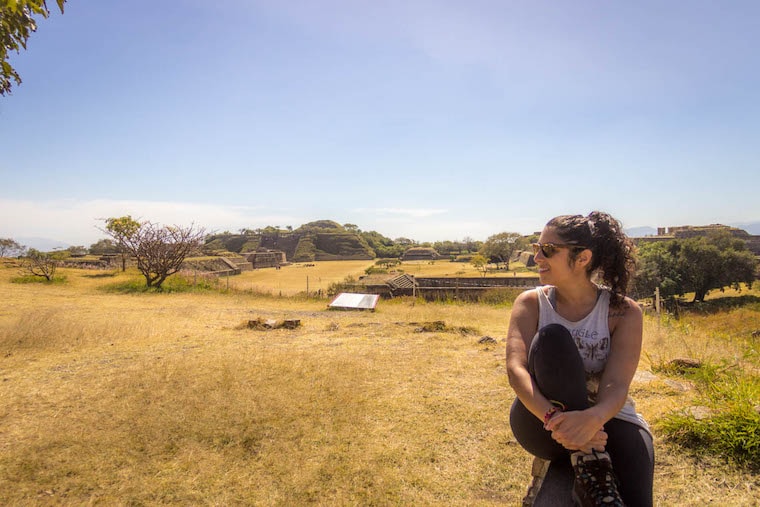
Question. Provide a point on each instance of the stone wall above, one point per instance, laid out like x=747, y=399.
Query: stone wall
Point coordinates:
x=268, y=259
x=479, y=282
x=468, y=289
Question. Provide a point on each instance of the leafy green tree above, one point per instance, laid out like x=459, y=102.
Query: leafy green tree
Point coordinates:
x=698, y=265
x=480, y=263
x=104, y=246
x=16, y=25
x=500, y=247
x=159, y=250
x=77, y=250
x=384, y=248
x=10, y=247
x=119, y=229
x=405, y=242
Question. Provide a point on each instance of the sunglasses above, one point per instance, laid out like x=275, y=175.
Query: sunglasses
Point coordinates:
x=549, y=249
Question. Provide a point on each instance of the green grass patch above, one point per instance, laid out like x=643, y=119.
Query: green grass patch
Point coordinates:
x=727, y=420
x=717, y=305
x=173, y=284
x=56, y=280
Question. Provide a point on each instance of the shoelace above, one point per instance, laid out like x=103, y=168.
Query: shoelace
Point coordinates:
x=599, y=481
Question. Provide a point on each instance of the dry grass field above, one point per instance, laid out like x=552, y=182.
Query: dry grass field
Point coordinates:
x=314, y=276
x=169, y=399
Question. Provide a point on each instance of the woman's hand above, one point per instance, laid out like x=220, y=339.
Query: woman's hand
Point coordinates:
x=577, y=430
x=598, y=443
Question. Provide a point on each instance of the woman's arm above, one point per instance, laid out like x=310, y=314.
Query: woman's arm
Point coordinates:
x=523, y=324
x=625, y=351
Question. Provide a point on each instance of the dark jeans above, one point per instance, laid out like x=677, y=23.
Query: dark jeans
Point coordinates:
x=557, y=368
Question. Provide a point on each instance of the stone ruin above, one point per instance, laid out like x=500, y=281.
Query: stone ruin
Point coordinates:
x=266, y=258
x=420, y=254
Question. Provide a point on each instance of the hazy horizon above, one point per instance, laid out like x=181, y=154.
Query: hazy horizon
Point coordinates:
x=47, y=244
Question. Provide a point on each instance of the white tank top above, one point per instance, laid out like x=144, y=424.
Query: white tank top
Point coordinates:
x=592, y=337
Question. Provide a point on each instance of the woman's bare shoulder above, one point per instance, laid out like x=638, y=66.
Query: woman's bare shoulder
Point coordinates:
x=627, y=312
x=625, y=308
x=525, y=306
x=528, y=297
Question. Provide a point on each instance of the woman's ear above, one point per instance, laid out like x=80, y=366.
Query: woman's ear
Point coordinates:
x=584, y=257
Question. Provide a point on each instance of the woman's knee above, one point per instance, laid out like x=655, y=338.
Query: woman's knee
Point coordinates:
x=556, y=365
x=531, y=435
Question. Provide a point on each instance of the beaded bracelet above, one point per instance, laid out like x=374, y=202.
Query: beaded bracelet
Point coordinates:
x=558, y=406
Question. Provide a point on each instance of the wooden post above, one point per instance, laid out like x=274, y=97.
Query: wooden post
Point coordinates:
x=657, y=300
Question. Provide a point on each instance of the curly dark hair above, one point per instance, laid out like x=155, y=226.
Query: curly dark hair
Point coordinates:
x=613, y=252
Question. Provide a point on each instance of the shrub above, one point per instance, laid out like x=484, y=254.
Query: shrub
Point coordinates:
x=500, y=295
x=730, y=427
x=58, y=279
x=171, y=285
x=348, y=284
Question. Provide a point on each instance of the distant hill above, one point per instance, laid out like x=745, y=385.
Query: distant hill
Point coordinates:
x=42, y=244
x=315, y=241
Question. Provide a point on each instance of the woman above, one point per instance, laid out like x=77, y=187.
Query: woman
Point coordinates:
x=572, y=350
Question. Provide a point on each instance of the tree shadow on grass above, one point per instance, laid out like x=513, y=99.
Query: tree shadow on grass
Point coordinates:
x=100, y=275
x=721, y=304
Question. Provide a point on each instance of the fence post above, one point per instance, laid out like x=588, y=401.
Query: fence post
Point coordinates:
x=657, y=300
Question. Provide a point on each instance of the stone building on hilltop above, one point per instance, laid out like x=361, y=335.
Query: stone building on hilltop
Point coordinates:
x=691, y=231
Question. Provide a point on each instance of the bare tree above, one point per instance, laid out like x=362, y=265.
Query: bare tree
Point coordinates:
x=41, y=264
x=159, y=250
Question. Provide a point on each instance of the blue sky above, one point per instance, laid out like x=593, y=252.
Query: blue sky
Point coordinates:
x=429, y=120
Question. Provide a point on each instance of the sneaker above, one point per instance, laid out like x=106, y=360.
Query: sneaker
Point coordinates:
x=595, y=482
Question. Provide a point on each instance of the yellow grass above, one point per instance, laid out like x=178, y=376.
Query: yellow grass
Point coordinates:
x=299, y=277
x=155, y=399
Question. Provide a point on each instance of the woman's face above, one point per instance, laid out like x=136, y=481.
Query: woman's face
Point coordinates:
x=557, y=268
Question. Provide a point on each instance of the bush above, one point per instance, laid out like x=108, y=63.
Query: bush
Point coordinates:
x=731, y=425
x=38, y=279
x=500, y=295
x=172, y=284
x=348, y=284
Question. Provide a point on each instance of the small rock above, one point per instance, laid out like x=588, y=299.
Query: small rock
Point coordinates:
x=683, y=364
x=291, y=323
x=699, y=412
x=487, y=339
x=644, y=376
x=678, y=386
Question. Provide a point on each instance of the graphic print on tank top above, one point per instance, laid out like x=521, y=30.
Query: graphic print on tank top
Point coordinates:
x=593, y=346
